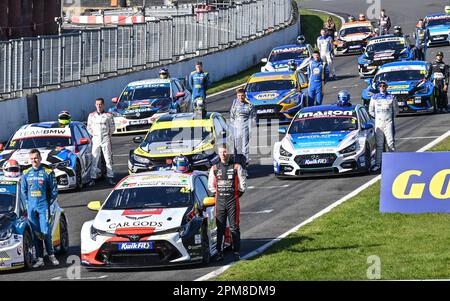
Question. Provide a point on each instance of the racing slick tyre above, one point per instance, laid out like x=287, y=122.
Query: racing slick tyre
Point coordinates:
x=63, y=236
x=206, y=252
x=27, y=246
x=78, y=177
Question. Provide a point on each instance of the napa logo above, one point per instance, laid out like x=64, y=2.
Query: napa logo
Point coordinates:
x=266, y=96
x=415, y=183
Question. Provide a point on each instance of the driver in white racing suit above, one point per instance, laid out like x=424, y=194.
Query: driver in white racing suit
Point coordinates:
x=325, y=45
x=101, y=126
x=383, y=107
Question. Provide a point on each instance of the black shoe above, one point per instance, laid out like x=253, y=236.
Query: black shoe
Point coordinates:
x=91, y=183
x=111, y=182
x=219, y=256
x=236, y=256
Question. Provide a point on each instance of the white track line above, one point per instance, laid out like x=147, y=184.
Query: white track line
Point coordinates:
x=315, y=216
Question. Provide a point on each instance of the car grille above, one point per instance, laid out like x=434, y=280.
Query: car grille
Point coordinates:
x=139, y=115
x=162, y=253
x=142, y=127
x=300, y=160
x=382, y=62
x=439, y=38
x=275, y=114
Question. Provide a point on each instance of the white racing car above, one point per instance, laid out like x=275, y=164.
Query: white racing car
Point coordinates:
x=326, y=140
x=150, y=219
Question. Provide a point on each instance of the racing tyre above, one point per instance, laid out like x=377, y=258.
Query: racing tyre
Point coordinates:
x=63, y=236
x=206, y=252
x=79, y=177
x=27, y=246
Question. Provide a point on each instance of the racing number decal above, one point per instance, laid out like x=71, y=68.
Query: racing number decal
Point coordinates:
x=185, y=190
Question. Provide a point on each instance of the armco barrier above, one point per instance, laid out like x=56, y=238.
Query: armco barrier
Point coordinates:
x=79, y=100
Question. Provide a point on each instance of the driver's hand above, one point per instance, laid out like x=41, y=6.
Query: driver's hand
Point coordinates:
x=445, y=88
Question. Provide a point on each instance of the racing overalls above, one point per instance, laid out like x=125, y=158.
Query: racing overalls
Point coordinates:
x=228, y=182
x=39, y=190
x=325, y=45
x=384, y=107
x=317, y=75
x=101, y=127
x=242, y=117
x=198, y=83
x=440, y=75
x=385, y=25
x=421, y=37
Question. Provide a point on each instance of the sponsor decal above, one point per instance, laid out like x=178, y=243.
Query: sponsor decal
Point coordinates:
x=125, y=246
x=443, y=17
x=319, y=114
x=266, y=96
x=391, y=39
x=138, y=122
x=415, y=183
x=41, y=132
x=197, y=239
x=315, y=161
x=135, y=111
x=113, y=226
x=291, y=49
x=265, y=111
x=398, y=87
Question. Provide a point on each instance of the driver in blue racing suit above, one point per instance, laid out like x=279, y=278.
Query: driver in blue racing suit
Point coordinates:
x=39, y=190
x=198, y=81
x=318, y=76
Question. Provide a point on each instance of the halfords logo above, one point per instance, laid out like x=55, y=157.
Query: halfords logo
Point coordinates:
x=415, y=183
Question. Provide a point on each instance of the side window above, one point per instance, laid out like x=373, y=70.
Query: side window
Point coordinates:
x=204, y=180
x=301, y=78
x=218, y=128
x=84, y=131
x=77, y=134
x=200, y=190
x=179, y=85
x=364, y=115
x=174, y=88
x=222, y=121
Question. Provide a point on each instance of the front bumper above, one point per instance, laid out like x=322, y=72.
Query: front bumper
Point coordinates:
x=350, y=48
x=366, y=70
x=336, y=163
x=11, y=253
x=66, y=180
x=160, y=162
x=415, y=104
x=438, y=39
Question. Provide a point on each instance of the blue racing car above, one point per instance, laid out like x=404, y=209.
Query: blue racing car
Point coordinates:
x=438, y=27
x=280, y=56
x=409, y=81
x=382, y=50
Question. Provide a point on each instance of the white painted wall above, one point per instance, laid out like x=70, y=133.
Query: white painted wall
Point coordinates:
x=79, y=100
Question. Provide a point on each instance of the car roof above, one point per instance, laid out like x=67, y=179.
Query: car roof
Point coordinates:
x=47, y=124
x=328, y=108
x=150, y=81
x=437, y=15
x=356, y=24
x=158, y=178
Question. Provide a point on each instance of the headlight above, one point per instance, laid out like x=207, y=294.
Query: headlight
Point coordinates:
x=184, y=230
x=6, y=233
x=349, y=149
x=289, y=100
x=284, y=152
x=115, y=114
x=424, y=90
x=140, y=159
x=62, y=164
x=96, y=232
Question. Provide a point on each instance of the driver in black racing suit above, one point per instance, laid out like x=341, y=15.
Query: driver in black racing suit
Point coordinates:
x=228, y=181
x=440, y=75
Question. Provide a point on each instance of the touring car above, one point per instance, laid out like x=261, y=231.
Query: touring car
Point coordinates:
x=16, y=236
x=156, y=218
x=142, y=102
x=280, y=56
x=326, y=140
x=438, y=27
x=65, y=149
x=353, y=37
x=276, y=95
x=410, y=82
x=382, y=50
x=180, y=134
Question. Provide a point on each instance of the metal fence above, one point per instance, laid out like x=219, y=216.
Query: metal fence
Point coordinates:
x=48, y=61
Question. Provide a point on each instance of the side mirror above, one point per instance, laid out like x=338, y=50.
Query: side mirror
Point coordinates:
x=264, y=60
x=209, y=201
x=367, y=126
x=282, y=130
x=138, y=140
x=94, y=205
x=115, y=99
x=2, y=147
x=180, y=94
x=84, y=141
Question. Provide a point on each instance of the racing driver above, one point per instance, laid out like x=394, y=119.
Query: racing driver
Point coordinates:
x=101, y=126
x=227, y=180
x=383, y=107
x=440, y=74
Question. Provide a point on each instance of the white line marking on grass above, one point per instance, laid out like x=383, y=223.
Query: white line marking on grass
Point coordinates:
x=315, y=216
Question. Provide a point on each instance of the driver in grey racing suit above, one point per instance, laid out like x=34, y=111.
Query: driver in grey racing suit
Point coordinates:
x=383, y=107
x=242, y=117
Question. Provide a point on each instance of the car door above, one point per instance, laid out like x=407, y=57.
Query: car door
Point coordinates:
x=201, y=192
x=369, y=133
x=85, y=151
x=184, y=101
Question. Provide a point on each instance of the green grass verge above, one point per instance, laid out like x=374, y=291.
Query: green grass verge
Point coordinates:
x=311, y=23
x=337, y=245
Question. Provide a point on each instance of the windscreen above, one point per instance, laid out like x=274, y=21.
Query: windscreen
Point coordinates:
x=289, y=54
x=353, y=30
x=7, y=198
x=324, y=124
x=39, y=142
x=383, y=46
x=178, y=134
x=403, y=75
x=438, y=21
x=142, y=92
x=149, y=197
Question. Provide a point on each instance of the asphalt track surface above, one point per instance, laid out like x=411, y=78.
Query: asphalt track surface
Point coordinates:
x=270, y=207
